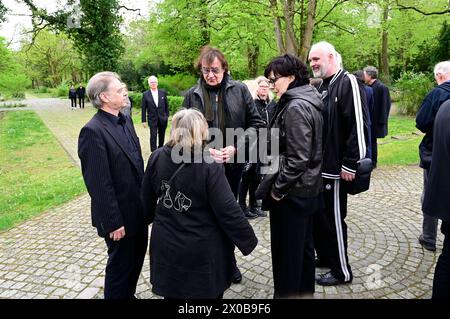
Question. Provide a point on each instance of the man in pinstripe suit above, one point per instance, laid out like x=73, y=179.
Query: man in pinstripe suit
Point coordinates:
x=113, y=169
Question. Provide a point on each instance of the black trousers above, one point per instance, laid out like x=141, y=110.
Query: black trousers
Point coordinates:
x=80, y=101
x=330, y=230
x=249, y=183
x=233, y=172
x=73, y=102
x=125, y=260
x=441, y=280
x=292, y=246
x=157, y=132
x=374, y=149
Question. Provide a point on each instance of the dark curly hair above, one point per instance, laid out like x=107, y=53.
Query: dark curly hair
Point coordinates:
x=286, y=65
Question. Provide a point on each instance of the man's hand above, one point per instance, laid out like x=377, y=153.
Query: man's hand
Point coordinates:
x=216, y=155
x=347, y=176
x=118, y=234
x=144, y=124
x=228, y=153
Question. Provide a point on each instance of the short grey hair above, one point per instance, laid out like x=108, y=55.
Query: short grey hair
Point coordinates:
x=442, y=68
x=326, y=47
x=371, y=71
x=98, y=84
x=152, y=78
x=260, y=79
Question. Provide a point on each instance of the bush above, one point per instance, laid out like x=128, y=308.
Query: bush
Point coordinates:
x=14, y=85
x=174, y=84
x=175, y=103
x=62, y=90
x=137, y=99
x=412, y=87
x=42, y=89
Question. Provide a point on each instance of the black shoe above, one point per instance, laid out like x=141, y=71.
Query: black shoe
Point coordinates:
x=320, y=264
x=237, y=277
x=426, y=245
x=249, y=214
x=328, y=279
x=259, y=212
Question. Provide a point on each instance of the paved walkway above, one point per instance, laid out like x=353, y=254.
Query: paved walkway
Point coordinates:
x=58, y=254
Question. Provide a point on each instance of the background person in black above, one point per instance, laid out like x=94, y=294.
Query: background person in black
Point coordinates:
x=225, y=104
x=196, y=221
x=296, y=189
x=73, y=97
x=155, y=112
x=344, y=143
x=424, y=122
x=436, y=201
x=113, y=169
x=381, y=109
x=81, y=91
x=250, y=176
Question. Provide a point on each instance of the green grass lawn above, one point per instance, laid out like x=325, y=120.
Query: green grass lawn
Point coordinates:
x=35, y=172
x=401, y=146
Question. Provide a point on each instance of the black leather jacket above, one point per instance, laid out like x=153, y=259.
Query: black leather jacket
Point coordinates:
x=299, y=120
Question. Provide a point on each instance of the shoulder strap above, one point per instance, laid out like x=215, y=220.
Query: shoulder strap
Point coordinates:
x=172, y=177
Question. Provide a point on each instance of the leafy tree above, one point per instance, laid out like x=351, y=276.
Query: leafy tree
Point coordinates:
x=93, y=26
x=13, y=82
x=3, y=10
x=51, y=59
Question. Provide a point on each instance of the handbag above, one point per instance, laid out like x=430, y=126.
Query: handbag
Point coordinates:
x=361, y=183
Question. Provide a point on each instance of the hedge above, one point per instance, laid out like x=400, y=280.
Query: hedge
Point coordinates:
x=175, y=102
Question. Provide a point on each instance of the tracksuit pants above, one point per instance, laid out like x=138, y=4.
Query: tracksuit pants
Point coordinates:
x=330, y=230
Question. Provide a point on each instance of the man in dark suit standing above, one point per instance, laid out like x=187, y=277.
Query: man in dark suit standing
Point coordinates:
x=155, y=112
x=113, y=169
x=81, y=91
x=381, y=109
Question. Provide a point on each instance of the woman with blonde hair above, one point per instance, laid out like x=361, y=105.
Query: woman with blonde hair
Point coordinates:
x=196, y=219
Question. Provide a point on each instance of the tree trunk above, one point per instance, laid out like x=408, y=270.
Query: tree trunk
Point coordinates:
x=252, y=58
x=277, y=26
x=309, y=29
x=384, y=44
x=289, y=12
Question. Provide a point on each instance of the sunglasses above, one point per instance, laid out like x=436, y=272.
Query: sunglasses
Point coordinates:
x=213, y=70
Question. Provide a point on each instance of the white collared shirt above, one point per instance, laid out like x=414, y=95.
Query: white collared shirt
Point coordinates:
x=155, y=96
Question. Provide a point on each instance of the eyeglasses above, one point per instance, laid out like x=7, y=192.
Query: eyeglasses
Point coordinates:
x=263, y=86
x=213, y=70
x=274, y=80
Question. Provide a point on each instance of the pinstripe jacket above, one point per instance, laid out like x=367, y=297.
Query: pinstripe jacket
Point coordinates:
x=112, y=176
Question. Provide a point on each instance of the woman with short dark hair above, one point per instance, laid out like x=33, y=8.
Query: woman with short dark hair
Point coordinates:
x=294, y=194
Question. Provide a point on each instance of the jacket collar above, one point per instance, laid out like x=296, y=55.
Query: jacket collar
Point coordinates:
x=111, y=130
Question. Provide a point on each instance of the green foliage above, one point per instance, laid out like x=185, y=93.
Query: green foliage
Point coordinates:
x=3, y=10
x=62, y=90
x=176, y=84
x=35, y=172
x=442, y=50
x=51, y=59
x=175, y=103
x=137, y=99
x=12, y=80
x=412, y=87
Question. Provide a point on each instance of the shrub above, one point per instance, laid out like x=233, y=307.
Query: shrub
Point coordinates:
x=412, y=87
x=42, y=89
x=175, y=103
x=62, y=90
x=137, y=99
x=14, y=85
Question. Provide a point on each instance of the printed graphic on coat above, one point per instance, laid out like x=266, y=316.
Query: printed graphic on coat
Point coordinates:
x=180, y=203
